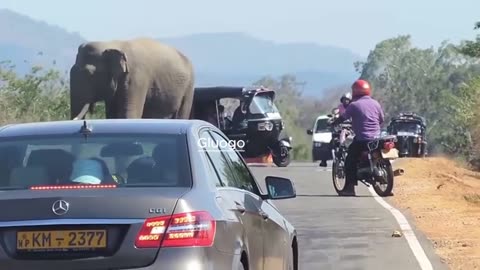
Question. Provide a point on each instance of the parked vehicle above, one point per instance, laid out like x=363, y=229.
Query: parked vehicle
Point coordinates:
x=136, y=194
x=256, y=125
x=374, y=167
x=410, y=130
x=321, y=139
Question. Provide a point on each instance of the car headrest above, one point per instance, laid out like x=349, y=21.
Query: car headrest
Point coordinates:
x=44, y=156
x=166, y=152
x=141, y=169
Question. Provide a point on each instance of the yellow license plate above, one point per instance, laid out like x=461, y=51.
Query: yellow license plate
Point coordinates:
x=390, y=154
x=51, y=240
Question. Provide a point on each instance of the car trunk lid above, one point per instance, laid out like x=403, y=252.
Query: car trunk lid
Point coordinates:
x=79, y=229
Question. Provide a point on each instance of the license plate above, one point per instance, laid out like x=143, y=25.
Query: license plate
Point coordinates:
x=390, y=154
x=403, y=133
x=61, y=240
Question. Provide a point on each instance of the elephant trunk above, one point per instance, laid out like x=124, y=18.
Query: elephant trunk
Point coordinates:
x=128, y=104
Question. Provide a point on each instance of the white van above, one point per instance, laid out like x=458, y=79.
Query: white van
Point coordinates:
x=321, y=137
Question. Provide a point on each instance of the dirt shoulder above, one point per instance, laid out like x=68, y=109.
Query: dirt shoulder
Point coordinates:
x=444, y=200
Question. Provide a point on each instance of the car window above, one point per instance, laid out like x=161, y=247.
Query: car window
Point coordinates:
x=123, y=160
x=218, y=159
x=215, y=177
x=244, y=178
x=211, y=169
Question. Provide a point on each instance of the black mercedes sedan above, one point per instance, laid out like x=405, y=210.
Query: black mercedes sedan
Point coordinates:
x=136, y=194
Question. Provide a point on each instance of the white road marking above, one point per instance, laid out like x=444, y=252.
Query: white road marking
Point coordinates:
x=407, y=231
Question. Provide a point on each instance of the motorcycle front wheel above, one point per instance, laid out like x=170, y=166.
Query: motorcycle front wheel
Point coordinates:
x=338, y=175
x=383, y=185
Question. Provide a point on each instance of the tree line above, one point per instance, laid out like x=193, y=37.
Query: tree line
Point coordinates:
x=442, y=84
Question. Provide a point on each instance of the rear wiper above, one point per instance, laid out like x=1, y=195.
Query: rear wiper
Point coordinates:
x=12, y=187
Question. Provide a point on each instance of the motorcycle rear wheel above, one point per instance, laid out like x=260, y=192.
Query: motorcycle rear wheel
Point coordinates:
x=387, y=168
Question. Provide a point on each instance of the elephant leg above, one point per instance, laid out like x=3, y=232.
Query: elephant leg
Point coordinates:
x=186, y=105
x=110, y=112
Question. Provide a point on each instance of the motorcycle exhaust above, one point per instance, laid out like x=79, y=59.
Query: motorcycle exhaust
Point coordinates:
x=398, y=172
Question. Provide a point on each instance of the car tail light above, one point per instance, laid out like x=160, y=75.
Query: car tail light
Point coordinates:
x=195, y=229
x=388, y=145
x=71, y=187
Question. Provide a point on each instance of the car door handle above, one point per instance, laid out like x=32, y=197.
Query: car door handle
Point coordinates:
x=263, y=214
x=240, y=207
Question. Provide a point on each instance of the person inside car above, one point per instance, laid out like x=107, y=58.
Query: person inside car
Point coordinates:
x=239, y=116
x=367, y=116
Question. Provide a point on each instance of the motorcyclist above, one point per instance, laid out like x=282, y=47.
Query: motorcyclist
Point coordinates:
x=344, y=101
x=367, y=115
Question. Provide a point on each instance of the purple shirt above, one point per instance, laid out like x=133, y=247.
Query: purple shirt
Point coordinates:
x=367, y=116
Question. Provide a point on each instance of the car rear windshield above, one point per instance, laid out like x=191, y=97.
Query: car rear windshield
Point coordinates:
x=122, y=160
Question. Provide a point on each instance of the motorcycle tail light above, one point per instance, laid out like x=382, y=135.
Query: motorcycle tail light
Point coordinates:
x=388, y=145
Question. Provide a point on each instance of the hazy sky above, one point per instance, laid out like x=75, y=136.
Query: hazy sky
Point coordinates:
x=354, y=24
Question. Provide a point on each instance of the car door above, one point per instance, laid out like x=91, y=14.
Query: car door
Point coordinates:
x=234, y=199
x=218, y=178
x=275, y=245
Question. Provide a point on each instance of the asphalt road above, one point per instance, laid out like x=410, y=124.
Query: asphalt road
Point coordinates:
x=343, y=232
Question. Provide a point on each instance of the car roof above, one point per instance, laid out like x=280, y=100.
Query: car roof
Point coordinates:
x=102, y=126
x=202, y=94
x=322, y=117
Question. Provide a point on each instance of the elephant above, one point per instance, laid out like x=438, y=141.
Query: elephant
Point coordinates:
x=136, y=78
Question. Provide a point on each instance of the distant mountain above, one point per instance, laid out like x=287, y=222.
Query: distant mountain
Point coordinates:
x=23, y=38
x=219, y=58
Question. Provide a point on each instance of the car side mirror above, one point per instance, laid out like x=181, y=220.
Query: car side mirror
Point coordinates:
x=280, y=188
x=309, y=131
x=330, y=115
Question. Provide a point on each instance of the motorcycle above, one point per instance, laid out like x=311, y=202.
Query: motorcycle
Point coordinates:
x=374, y=167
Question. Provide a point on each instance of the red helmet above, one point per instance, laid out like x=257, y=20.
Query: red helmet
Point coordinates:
x=361, y=88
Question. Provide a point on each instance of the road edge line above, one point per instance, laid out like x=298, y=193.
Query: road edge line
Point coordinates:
x=412, y=240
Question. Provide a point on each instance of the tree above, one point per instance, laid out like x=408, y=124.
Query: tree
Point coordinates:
x=40, y=95
x=472, y=48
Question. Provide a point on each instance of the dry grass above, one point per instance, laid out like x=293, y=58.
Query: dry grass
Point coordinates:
x=472, y=198
x=444, y=199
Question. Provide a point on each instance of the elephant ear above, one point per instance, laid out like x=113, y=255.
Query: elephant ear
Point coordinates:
x=116, y=62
